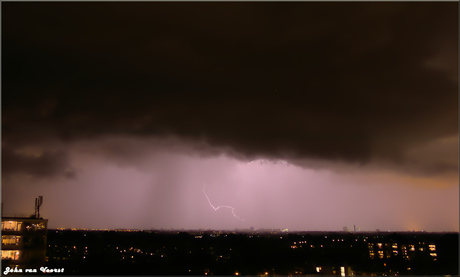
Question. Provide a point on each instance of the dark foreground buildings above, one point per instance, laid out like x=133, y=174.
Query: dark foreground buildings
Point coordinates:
x=252, y=253
x=23, y=242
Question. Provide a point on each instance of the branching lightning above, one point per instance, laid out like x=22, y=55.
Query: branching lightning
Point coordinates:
x=215, y=209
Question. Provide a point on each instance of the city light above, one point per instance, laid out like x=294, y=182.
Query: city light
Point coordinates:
x=375, y=251
x=344, y=115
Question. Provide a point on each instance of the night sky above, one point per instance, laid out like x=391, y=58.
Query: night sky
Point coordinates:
x=302, y=115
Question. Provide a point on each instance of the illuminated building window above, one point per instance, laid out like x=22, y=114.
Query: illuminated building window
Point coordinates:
x=34, y=226
x=10, y=255
x=433, y=254
x=395, y=245
x=318, y=269
x=412, y=247
x=342, y=271
x=8, y=240
x=381, y=254
x=432, y=247
x=11, y=226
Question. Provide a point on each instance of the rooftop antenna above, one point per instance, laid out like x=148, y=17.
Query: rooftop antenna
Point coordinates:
x=38, y=203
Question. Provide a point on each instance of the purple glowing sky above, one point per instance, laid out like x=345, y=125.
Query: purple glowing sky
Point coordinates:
x=306, y=116
x=162, y=188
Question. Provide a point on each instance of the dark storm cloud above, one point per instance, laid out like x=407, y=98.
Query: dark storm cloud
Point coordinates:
x=350, y=82
x=36, y=163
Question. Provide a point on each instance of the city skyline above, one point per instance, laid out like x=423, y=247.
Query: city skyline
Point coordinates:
x=306, y=116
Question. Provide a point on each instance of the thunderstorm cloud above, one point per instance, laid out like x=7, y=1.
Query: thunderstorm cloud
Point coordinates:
x=179, y=94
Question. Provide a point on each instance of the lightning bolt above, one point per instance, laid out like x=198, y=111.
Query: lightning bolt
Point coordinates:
x=215, y=209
